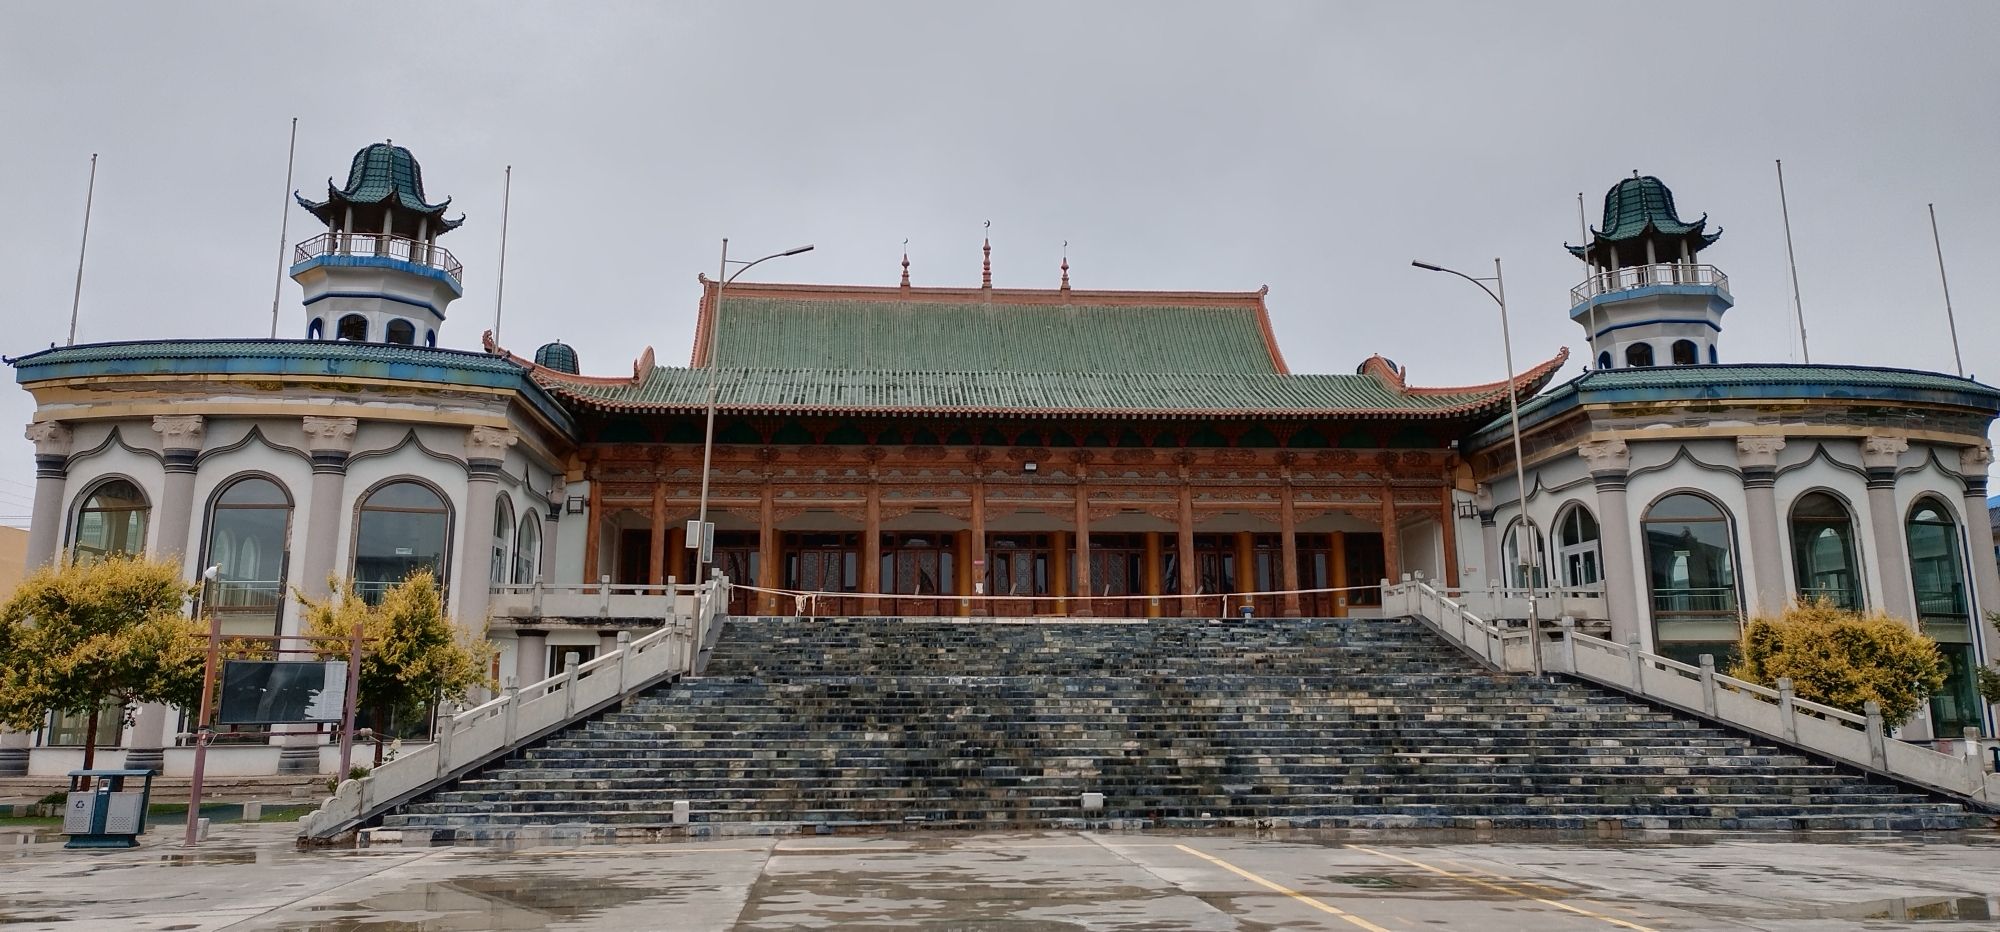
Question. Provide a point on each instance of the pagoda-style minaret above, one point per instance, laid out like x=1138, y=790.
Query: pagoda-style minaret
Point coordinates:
x=377, y=273
x=1647, y=302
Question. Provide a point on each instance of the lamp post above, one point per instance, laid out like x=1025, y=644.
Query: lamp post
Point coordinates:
x=723, y=278
x=201, y=729
x=1499, y=295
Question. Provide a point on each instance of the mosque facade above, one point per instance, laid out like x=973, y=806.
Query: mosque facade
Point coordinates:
x=981, y=451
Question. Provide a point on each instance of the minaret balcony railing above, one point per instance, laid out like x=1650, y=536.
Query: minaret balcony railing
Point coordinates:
x=1611, y=281
x=401, y=248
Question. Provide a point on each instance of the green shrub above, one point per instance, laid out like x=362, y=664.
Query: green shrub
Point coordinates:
x=1843, y=658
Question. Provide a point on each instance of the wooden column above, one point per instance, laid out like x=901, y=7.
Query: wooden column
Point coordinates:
x=1246, y=563
x=1392, y=545
x=961, y=557
x=1339, y=560
x=1288, y=553
x=656, y=561
x=770, y=563
x=676, y=564
x=1059, y=570
x=1082, y=548
x=1190, y=580
x=1448, y=526
x=978, y=548
x=1152, y=574
x=593, y=532
x=871, y=549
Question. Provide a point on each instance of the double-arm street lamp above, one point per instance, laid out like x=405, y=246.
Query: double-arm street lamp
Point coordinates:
x=701, y=544
x=1499, y=295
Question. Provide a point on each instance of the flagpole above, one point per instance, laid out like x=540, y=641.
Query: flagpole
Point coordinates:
x=1797, y=307
x=284, y=227
x=76, y=298
x=500, y=283
x=1589, y=271
x=1938, y=245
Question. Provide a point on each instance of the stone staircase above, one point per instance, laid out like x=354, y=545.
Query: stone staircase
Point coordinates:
x=1333, y=723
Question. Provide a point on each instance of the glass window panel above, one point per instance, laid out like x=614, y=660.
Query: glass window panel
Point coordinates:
x=1691, y=572
x=247, y=544
x=1824, y=563
x=402, y=529
x=111, y=521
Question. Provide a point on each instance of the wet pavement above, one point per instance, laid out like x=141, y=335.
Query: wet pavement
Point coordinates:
x=250, y=878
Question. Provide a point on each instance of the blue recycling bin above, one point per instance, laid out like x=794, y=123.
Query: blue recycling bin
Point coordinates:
x=107, y=815
x=1247, y=610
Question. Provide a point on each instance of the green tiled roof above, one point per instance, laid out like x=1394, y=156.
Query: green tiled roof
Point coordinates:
x=1031, y=393
x=380, y=172
x=1636, y=205
x=96, y=353
x=1752, y=381
x=813, y=333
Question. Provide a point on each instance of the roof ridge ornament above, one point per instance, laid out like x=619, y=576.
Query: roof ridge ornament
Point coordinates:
x=986, y=264
x=906, y=264
x=1065, y=267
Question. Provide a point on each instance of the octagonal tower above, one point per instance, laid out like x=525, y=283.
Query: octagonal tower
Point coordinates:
x=1647, y=300
x=377, y=274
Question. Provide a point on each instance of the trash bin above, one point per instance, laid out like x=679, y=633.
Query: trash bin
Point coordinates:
x=107, y=815
x=1247, y=610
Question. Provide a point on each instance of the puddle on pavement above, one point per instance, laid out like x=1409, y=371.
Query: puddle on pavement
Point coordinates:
x=941, y=899
x=474, y=904
x=1916, y=908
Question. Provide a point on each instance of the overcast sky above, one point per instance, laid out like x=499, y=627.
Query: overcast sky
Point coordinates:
x=1312, y=147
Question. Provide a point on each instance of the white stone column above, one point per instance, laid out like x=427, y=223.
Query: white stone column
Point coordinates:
x=550, y=525
x=1885, y=521
x=180, y=446
x=51, y=440
x=485, y=450
x=1610, y=461
x=531, y=655
x=330, y=439
x=1489, y=536
x=1972, y=464
x=1758, y=457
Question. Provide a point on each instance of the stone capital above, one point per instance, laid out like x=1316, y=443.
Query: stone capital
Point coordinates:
x=50, y=438
x=1974, y=460
x=489, y=443
x=179, y=431
x=335, y=434
x=1880, y=452
x=1605, y=454
x=1758, y=452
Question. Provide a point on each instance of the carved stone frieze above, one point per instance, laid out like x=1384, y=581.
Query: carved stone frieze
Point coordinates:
x=179, y=431
x=330, y=434
x=50, y=438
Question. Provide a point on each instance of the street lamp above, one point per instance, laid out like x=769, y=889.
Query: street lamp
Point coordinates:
x=723, y=278
x=1499, y=295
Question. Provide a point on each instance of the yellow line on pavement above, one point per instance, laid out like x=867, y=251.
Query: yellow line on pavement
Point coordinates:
x=1503, y=888
x=1294, y=894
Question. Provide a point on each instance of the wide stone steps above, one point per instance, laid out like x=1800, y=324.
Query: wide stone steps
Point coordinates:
x=1304, y=722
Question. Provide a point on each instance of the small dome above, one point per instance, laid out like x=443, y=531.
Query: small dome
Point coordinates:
x=558, y=356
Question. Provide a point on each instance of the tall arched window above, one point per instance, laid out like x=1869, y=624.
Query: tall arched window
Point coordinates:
x=352, y=327
x=1686, y=353
x=528, y=549
x=1639, y=354
x=1937, y=572
x=1691, y=572
x=503, y=539
x=1823, y=556
x=403, y=527
x=248, y=526
x=111, y=521
x=1513, y=555
x=400, y=331
x=1577, y=548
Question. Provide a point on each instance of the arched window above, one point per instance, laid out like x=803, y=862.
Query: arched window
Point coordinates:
x=352, y=327
x=111, y=521
x=503, y=539
x=431, y=338
x=400, y=331
x=1604, y=360
x=248, y=526
x=403, y=527
x=1823, y=557
x=1944, y=614
x=1577, y=548
x=1686, y=353
x=528, y=549
x=1639, y=354
x=1691, y=572
x=1519, y=573
x=316, y=329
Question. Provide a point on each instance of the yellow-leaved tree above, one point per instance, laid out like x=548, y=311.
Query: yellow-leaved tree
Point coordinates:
x=1843, y=658
x=412, y=655
x=79, y=637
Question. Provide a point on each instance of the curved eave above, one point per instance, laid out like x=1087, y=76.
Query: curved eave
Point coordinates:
x=338, y=198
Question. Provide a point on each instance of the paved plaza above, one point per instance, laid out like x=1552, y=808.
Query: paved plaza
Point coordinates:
x=250, y=878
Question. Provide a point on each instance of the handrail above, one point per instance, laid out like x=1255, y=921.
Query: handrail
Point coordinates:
x=402, y=248
x=1609, y=281
x=469, y=738
x=1776, y=714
